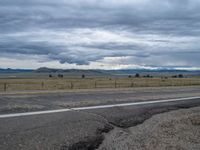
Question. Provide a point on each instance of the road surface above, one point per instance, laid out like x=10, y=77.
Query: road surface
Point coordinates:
x=77, y=120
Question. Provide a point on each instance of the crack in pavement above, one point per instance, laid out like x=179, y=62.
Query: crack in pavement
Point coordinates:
x=91, y=143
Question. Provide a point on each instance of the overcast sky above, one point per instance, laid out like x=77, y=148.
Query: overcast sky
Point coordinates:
x=100, y=34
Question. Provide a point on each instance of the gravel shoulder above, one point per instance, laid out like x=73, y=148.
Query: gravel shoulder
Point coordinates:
x=175, y=130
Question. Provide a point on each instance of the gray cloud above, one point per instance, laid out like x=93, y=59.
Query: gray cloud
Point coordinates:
x=151, y=33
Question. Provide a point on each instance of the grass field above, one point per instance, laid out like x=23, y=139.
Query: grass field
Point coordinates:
x=21, y=84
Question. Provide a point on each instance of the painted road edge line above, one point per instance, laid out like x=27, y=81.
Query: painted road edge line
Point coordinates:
x=94, y=107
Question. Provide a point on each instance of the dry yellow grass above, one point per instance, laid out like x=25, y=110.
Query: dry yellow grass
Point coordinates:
x=90, y=83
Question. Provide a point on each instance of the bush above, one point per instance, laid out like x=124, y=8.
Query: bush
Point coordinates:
x=60, y=75
x=137, y=75
x=175, y=76
x=148, y=76
x=180, y=76
x=83, y=76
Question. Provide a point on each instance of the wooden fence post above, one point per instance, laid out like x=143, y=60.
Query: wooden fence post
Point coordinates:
x=5, y=87
x=42, y=85
x=95, y=85
x=72, y=85
x=132, y=84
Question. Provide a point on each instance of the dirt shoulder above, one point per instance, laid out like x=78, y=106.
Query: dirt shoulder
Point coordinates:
x=175, y=130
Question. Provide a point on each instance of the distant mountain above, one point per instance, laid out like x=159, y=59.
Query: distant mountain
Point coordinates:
x=47, y=70
x=9, y=70
x=71, y=71
x=158, y=72
x=122, y=72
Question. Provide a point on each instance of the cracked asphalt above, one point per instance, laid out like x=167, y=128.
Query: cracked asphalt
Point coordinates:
x=81, y=129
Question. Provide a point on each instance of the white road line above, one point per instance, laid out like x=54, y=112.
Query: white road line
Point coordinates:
x=33, y=113
x=135, y=103
x=95, y=107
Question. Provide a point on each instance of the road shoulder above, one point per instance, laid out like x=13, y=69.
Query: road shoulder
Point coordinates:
x=179, y=129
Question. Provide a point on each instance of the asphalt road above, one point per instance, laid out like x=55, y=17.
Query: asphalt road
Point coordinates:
x=82, y=129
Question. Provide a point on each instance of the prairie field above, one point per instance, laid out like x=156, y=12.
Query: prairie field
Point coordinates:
x=69, y=83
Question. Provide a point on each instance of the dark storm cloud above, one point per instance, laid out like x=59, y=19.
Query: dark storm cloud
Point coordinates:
x=170, y=15
x=113, y=46
x=148, y=26
x=70, y=53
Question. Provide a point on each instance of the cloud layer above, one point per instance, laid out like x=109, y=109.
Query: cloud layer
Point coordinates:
x=100, y=34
